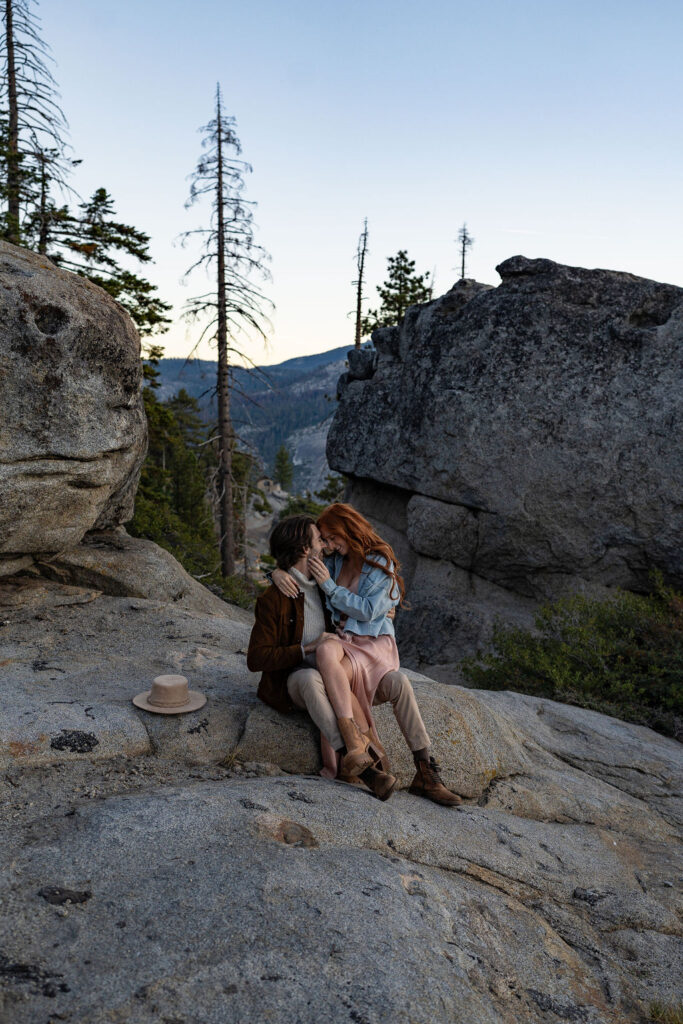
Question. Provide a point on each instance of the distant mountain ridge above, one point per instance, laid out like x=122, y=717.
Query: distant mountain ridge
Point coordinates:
x=271, y=405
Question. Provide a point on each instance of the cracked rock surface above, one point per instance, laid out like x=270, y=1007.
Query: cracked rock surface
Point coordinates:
x=518, y=443
x=197, y=870
x=73, y=433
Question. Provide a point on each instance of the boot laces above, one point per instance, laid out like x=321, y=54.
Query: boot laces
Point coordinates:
x=433, y=768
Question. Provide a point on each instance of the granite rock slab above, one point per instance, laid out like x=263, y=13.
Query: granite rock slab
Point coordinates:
x=294, y=898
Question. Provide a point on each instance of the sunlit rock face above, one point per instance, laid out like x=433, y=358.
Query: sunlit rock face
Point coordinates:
x=520, y=442
x=72, y=426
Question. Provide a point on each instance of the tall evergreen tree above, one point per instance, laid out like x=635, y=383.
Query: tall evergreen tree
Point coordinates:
x=46, y=219
x=402, y=288
x=234, y=304
x=283, y=469
x=171, y=504
x=89, y=244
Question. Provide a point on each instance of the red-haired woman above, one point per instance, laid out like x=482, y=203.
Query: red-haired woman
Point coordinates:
x=361, y=583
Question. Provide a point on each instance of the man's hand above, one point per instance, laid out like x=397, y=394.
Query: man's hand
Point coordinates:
x=285, y=583
x=315, y=644
x=318, y=569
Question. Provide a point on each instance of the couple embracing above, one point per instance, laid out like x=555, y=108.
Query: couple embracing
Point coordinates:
x=324, y=642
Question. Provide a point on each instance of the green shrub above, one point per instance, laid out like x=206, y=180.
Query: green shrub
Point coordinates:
x=622, y=656
x=261, y=503
x=301, y=505
x=335, y=486
x=237, y=590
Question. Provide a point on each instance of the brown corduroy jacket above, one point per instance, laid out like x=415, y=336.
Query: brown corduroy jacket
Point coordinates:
x=275, y=644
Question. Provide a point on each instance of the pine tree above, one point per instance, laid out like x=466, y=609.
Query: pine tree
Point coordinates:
x=89, y=244
x=234, y=304
x=46, y=220
x=283, y=470
x=152, y=356
x=171, y=504
x=402, y=288
x=174, y=502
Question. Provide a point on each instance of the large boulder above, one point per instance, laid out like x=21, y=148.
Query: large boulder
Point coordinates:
x=518, y=443
x=73, y=431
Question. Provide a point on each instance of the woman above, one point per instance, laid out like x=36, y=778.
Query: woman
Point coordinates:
x=361, y=582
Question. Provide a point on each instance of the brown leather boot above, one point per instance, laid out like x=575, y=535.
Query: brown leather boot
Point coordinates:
x=350, y=780
x=382, y=784
x=357, y=757
x=375, y=748
x=427, y=783
x=378, y=753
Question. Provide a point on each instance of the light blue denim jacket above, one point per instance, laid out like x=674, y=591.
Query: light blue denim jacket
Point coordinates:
x=366, y=610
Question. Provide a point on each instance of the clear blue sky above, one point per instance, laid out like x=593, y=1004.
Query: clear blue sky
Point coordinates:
x=553, y=127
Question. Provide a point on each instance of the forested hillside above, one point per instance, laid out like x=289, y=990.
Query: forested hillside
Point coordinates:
x=269, y=403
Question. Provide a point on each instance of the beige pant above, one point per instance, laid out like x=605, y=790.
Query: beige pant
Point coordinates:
x=307, y=691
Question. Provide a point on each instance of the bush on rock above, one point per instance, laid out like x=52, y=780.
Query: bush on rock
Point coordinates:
x=622, y=656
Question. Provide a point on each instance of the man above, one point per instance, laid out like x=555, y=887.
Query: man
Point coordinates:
x=282, y=646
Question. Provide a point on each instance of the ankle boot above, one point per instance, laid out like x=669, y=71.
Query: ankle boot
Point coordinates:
x=378, y=753
x=357, y=757
x=382, y=784
x=427, y=783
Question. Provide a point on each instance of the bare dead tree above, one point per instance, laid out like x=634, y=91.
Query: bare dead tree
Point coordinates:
x=34, y=145
x=234, y=305
x=360, y=263
x=466, y=242
x=35, y=165
x=12, y=145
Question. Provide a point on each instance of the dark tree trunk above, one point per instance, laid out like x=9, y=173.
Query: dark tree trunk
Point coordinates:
x=362, y=249
x=225, y=430
x=13, y=173
x=42, y=237
x=245, y=512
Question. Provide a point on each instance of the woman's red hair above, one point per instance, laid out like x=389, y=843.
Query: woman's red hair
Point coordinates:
x=362, y=541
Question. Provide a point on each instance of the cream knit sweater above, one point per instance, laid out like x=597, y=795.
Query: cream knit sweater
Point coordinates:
x=314, y=616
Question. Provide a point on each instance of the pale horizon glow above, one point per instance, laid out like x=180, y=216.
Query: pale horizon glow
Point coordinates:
x=551, y=129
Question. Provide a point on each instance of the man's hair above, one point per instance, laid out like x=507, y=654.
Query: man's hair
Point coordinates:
x=289, y=540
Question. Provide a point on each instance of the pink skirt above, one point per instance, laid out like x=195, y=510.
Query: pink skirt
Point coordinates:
x=371, y=658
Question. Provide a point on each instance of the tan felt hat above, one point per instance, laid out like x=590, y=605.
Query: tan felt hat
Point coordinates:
x=170, y=695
